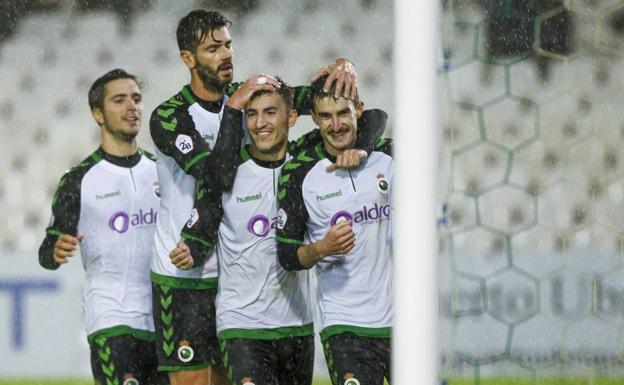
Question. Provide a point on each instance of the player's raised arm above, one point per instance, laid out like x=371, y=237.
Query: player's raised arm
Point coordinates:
x=174, y=134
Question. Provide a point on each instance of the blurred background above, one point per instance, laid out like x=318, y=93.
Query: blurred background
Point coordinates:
x=52, y=51
x=531, y=168
x=532, y=191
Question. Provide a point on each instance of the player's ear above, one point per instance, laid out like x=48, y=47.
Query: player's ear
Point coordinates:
x=188, y=58
x=292, y=117
x=97, y=114
x=314, y=116
x=359, y=108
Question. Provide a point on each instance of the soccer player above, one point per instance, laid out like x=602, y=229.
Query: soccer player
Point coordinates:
x=346, y=217
x=192, y=145
x=263, y=317
x=108, y=205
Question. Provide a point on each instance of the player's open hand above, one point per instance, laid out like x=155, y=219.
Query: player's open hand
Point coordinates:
x=348, y=159
x=343, y=72
x=181, y=256
x=241, y=97
x=340, y=239
x=64, y=247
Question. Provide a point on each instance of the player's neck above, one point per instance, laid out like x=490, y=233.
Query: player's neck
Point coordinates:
x=209, y=94
x=272, y=156
x=117, y=147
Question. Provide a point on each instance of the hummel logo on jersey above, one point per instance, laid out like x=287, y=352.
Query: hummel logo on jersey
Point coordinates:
x=108, y=195
x=184, y=143
x=249, y=198
x=335, y=194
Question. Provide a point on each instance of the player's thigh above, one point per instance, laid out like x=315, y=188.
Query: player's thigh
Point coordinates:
x=147, y=364
x=248, y=360
x=296, y=360
x=351, y=361
x=185, y=323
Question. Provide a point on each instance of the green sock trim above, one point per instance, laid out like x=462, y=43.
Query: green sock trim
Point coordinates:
x=268, y=334
x=143, y=335
x=184, y=283
x=357, y=330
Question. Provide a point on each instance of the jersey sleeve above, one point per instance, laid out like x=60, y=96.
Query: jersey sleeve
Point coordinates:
x=292, y=216
x=64, y=219
x=371, y=126
x=173, y=132
x=200, y=231
x=384, y=145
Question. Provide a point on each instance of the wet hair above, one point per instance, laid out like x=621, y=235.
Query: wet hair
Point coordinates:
x=193, y=28
x=317, y=93
x=96, y=92
x=285, y=91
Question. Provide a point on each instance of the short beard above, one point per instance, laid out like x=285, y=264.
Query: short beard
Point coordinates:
x=210, y=79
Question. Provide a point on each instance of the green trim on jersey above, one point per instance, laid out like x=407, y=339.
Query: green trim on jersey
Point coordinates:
x=172, y=368
x=196, y=159
x=107, y=365
x=186, y=236
x=357, y=330
x=268, y=334
x=56, y=232
x=245, y=154
x=143, y=335
x=288, y=240
x=184, y=283
x=319, y=151
x=303, y=92
x=186, y=92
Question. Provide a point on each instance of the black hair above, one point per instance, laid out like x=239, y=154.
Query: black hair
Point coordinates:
x=285, y=91
x=317, y=93
x=96, y=92
x=193, y=28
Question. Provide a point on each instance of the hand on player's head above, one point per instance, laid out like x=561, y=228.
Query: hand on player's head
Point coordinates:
x=259, y=82
x=64, y=247
x=343, y=73
x=181, y=256
x=348, y=159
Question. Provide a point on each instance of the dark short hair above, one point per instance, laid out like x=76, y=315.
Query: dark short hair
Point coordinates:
x=96, y=92
x=193, y=28
x=285, y=91
x=317, y=93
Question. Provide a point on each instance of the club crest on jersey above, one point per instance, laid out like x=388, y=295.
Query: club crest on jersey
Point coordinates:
x=281, y=219
x=193, y=219
x=184, y=143
x=185, y=352
x=382, y=183
x=350, y=380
